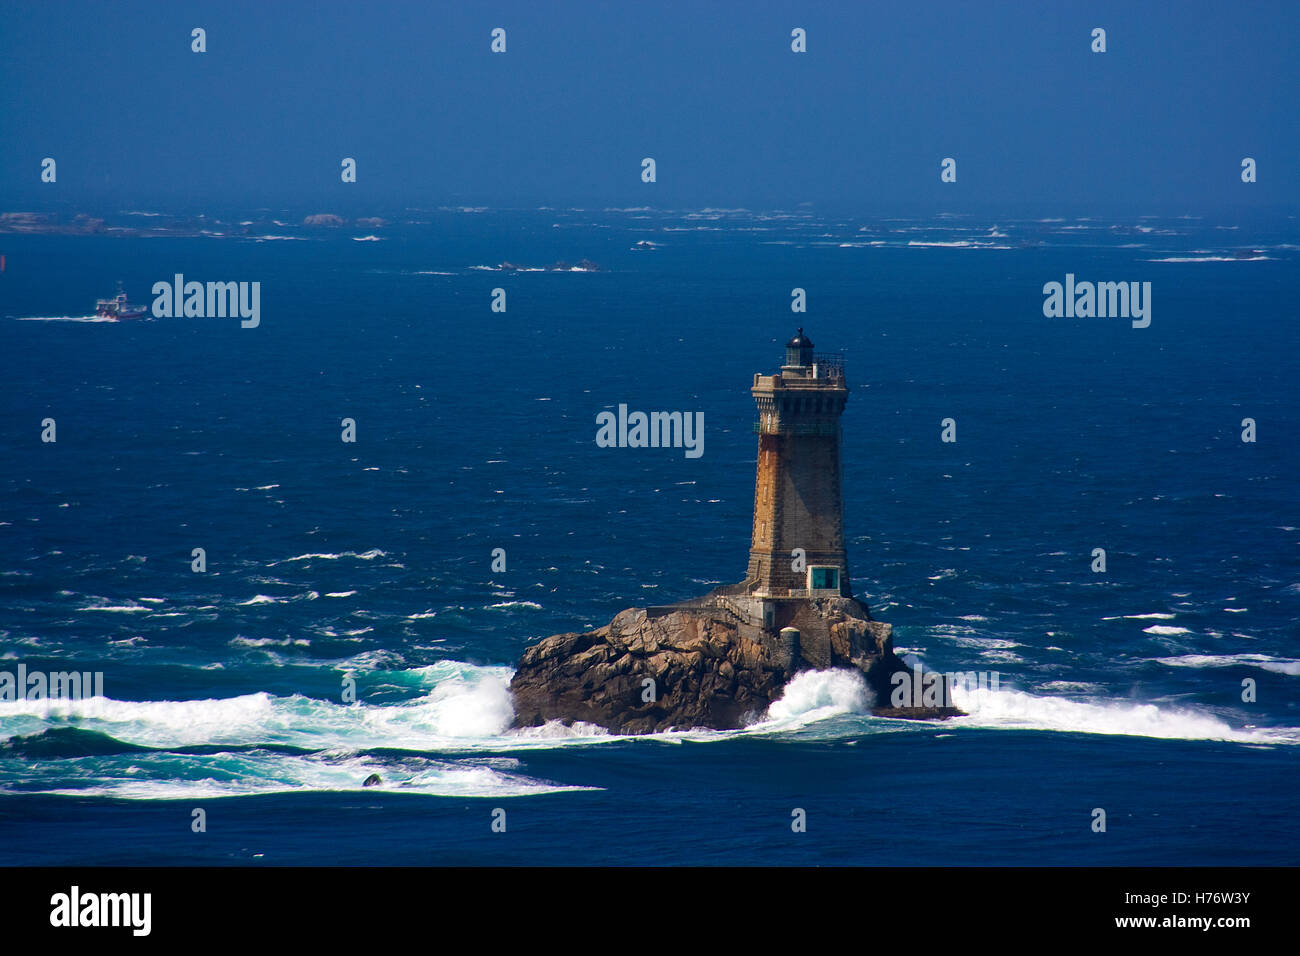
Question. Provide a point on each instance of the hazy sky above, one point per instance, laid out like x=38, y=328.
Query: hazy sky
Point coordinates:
x=711, y=91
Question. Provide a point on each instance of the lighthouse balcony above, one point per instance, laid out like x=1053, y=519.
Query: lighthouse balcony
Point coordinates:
x=822, y=368
x=828, y=365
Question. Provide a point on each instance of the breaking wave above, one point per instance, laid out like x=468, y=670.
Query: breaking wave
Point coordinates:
x=1278, y=665
x=1015, y=710
x=452, y=737
x=815, y=695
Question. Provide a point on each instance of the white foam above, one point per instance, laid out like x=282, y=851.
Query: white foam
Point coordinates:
x=1008, y=709
x=1070, y=686
x=257, y=773
x=815, y=695
x=1162, y=630
x=1210, y=259
x=1002, y=657
x=989, y=643
x=1277, y=665
x=556, y=730
x=268, y=599
x=362, y=556
x=467, y=709
x=269, y=642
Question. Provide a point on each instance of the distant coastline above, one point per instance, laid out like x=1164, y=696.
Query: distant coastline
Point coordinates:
x=161, y=224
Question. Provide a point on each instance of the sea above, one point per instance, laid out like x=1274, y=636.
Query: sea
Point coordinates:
x=1098, y=535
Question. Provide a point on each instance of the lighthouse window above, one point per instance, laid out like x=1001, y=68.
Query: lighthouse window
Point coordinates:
x=824, y=579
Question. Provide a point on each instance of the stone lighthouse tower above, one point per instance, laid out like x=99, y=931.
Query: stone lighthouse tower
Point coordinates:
x=798, y=508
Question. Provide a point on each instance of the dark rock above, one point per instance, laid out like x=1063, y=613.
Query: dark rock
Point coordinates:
x=917, y=713
x=373, y=780
x=706, y=663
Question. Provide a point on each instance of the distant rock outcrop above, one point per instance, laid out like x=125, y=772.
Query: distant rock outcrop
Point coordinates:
x=324, y=219
x=708, y=663
x=582, y=265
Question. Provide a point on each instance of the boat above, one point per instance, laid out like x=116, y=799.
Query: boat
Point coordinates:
x=119, y=308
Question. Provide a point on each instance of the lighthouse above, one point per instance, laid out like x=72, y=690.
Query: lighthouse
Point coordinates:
x=719, y=659
x=797, y=549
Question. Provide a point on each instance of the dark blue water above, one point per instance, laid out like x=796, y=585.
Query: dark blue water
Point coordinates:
x=475, y=430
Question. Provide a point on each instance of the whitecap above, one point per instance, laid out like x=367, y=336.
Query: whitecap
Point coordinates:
x=1277, y=665
x=1007, y=709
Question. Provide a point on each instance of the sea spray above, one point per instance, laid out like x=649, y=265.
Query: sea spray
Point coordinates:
x=816, y=695
x=1007, y=709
